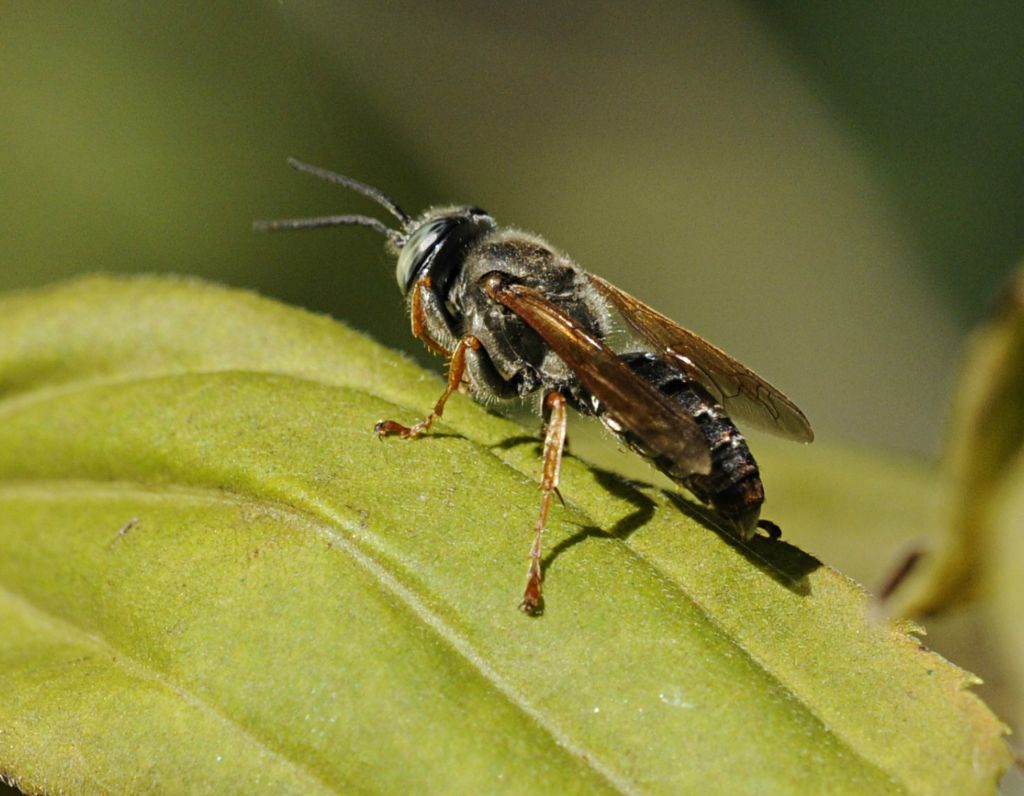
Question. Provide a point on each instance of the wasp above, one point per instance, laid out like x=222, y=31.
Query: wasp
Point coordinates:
x=515, y=317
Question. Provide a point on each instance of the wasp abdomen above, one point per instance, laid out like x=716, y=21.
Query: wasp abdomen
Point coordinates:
x=733, y=486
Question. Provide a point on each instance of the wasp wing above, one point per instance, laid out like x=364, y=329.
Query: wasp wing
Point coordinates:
x=662, y=428
x=743, y=393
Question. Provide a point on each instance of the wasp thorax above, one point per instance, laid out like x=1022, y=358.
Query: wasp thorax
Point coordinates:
x=437, y=242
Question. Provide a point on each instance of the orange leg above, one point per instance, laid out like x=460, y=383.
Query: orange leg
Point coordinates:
x=456, y=370
x=554, y=442
x=418, y=319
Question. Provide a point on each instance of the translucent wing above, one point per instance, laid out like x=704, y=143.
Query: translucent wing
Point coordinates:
x=743, y=393
x=663, y=429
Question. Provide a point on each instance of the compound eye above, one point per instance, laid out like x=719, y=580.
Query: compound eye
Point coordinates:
x=418, y=250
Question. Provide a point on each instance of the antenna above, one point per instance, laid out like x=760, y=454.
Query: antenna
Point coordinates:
x=378, y=196
x=288, y=224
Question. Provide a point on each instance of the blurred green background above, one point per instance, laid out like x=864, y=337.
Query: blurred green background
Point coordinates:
x=831, y=192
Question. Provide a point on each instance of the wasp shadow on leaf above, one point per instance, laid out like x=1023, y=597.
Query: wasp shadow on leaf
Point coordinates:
x=786, y=564
x=624, y=528
x=514, y=442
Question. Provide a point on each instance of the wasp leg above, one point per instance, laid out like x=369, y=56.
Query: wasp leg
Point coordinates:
x=418, y=319
x=770, y=528
x=456, y=370
x=554, y=443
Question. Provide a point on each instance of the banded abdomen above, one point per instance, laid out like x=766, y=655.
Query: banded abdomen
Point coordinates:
x=733, y=486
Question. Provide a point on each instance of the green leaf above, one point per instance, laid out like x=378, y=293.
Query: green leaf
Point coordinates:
x=1006, y=574
x=214, y=578
x=986, y=438
x=979, y=559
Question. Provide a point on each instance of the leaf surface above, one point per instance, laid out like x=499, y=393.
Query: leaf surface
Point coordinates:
x=211, y=571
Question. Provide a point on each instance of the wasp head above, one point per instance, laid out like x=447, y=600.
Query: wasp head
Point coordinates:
x=436, y=244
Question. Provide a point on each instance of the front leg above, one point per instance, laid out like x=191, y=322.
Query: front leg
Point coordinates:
x=418, y=317
x=456, y=371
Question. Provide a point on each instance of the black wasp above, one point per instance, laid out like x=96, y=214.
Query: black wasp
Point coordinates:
x=517, y=317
